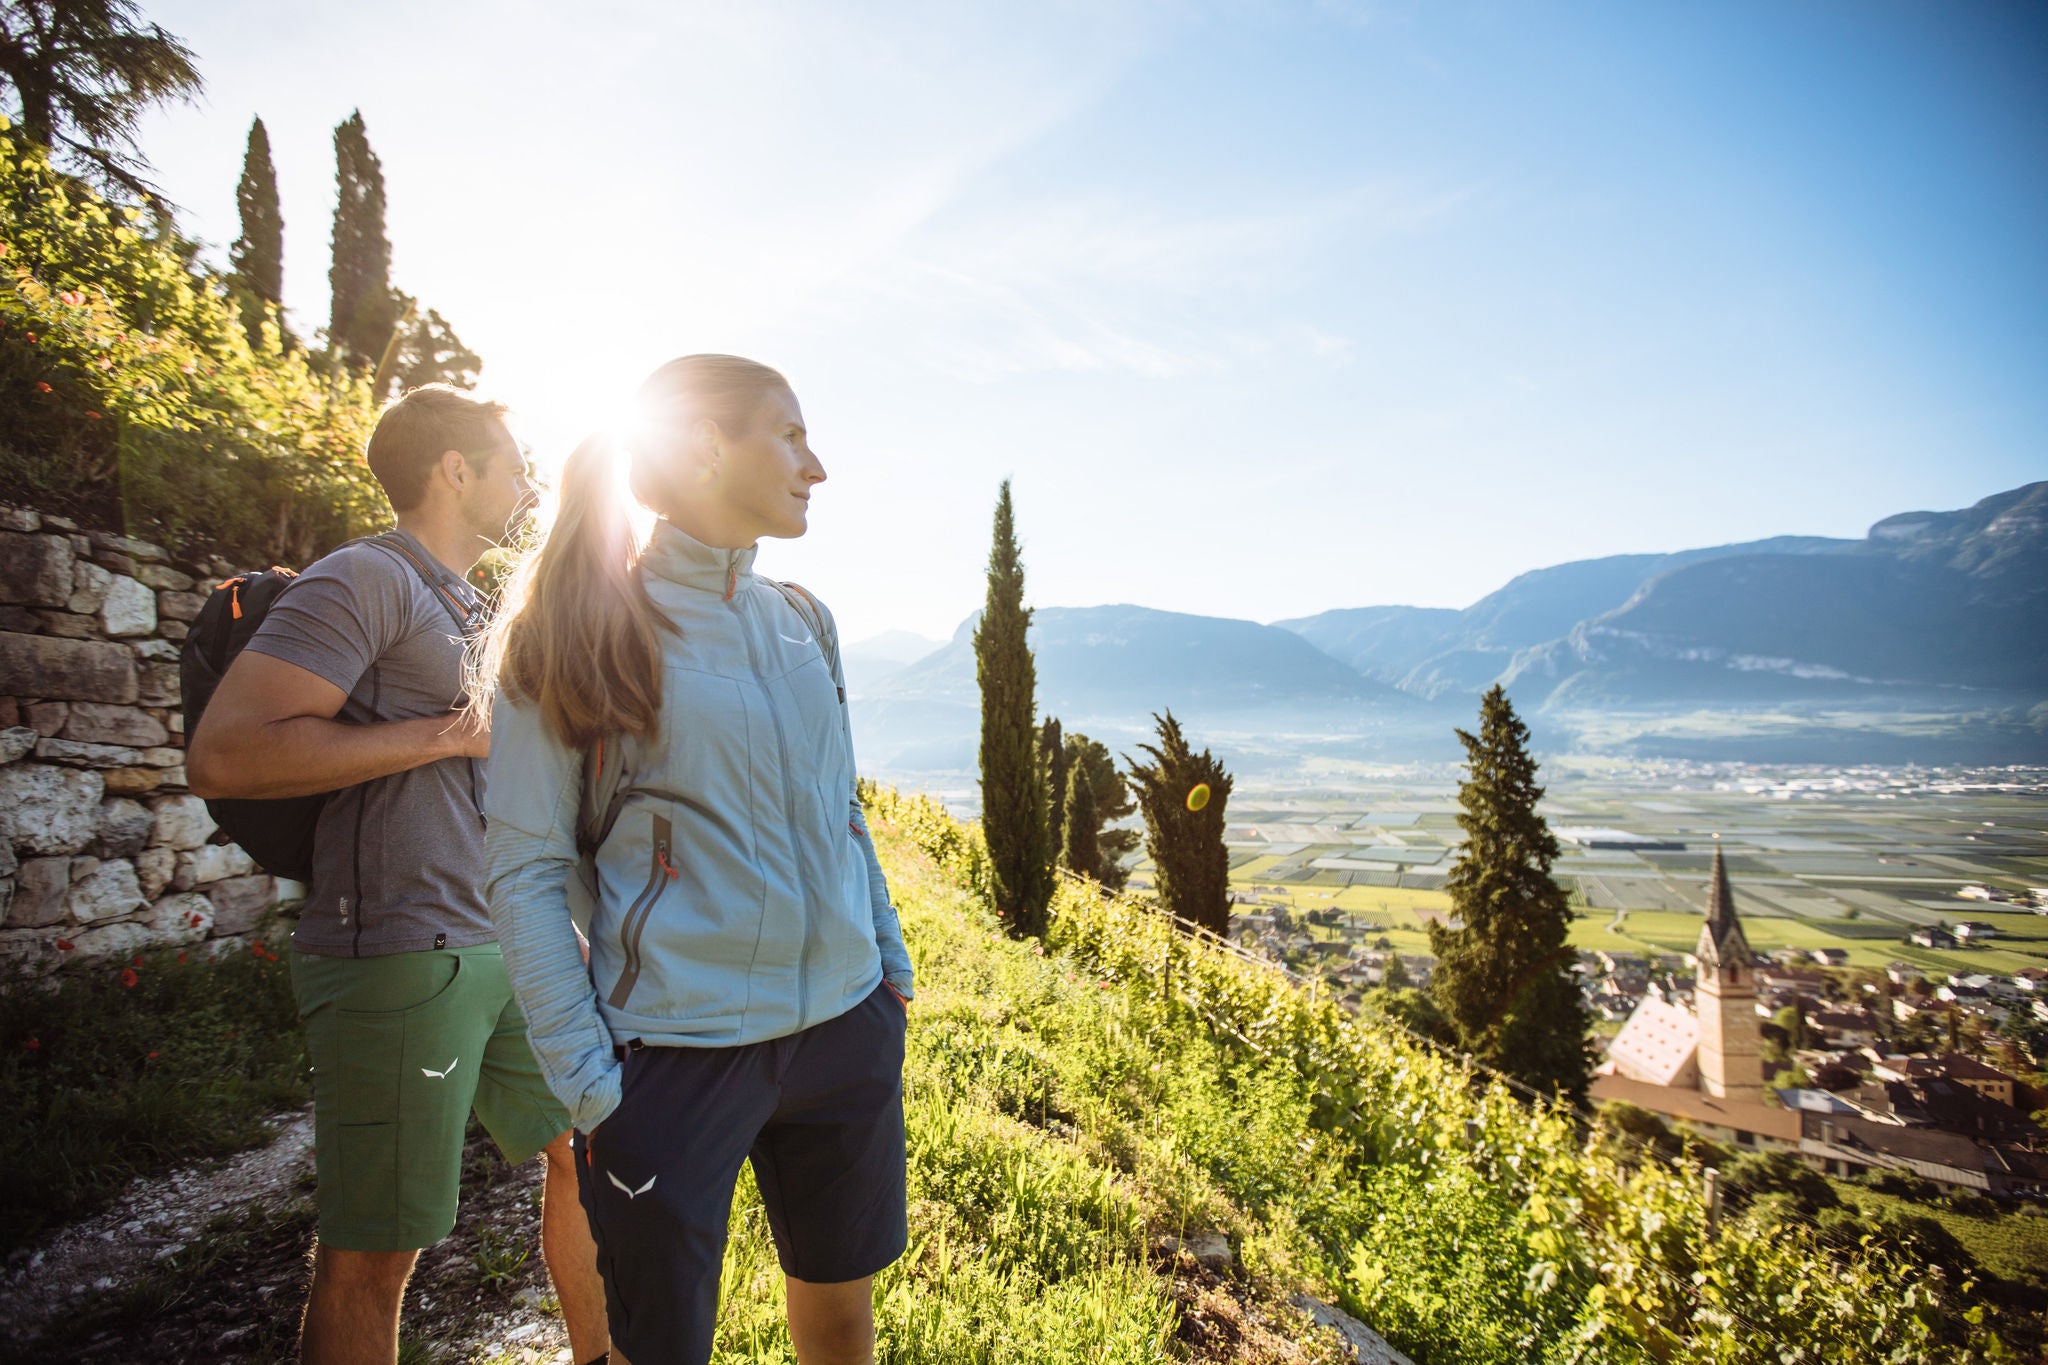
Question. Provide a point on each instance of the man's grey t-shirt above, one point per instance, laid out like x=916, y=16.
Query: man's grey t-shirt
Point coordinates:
x=398, y=861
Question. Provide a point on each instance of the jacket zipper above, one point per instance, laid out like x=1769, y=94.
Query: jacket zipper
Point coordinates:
x=637, y=915
x=803, y=988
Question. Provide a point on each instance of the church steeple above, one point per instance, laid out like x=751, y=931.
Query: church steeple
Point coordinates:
x=1724, y=996
x=1722, y=942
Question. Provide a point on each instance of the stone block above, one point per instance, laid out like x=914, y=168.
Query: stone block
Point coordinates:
x=130, y=608
x=67, y=625
x=181, y=918
x=19, y=619
x=49, y=717
x=54, y=522
x=113, y=562
x=97, y=723
x=8, y=865
x=10, y=712
x=35, y=571
x=164, y=756
x=241, y=901
x=76, y=755
x=17, y=742
x=211, y=863
x=67, y=670
x=155, y=651
x=133, y=781
x=20, y=519
x=174, y=776
x=111, y=940
x=30, y=950
x=290, y=892
x=175, y=720
x=48, y=810
x=125, y=827
x=109, y=892
x=181, y=821
x=154, y=868
x=157, y=684
x=179, y=606
x=41, y=886
x=163, y=577
x=128, y=545
x=173, y=630
x=88, y=587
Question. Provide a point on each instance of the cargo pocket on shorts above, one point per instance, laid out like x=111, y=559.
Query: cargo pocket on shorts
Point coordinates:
x=369, y=1065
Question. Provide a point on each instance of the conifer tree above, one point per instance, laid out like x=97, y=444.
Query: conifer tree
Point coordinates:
x=1013, y=803
x=1052, y=763
x=1079, y=852
x=1503, y=979
x=258, y=254
x=1112, y=798
x=1182, y=794
x=364, y=311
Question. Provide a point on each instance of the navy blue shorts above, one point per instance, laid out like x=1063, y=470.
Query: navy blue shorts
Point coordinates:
x=820, y=1114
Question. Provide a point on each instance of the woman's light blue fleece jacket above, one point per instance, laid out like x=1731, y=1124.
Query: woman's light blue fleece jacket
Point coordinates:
x=738, y=895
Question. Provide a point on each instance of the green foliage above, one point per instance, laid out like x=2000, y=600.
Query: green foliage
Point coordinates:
x=1756, y=1174
x=1052, y=776
x=1112, y=802
x=186, y=1062
x=258, y=254
x=131, y=397
x=1464, y=1223
x=83, y=72
x=427, y=351
x=1013, y=801
x=1080, y=852
x=363, y=312
x=1183, y=795
x=1503, y=977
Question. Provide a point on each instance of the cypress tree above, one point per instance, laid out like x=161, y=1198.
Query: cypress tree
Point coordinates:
x=1013, y=809
x=1079, y=852
x=1504, y=979
x=364, y=311
x=1182, y=794
x=258, y=254
x=1112, y=802
x=1052, y=764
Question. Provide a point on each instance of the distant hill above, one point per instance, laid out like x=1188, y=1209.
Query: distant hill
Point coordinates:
x=868, y=662
x=1930, y=604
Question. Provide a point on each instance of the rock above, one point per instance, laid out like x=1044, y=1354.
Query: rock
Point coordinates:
x=88, y=587
x=154, y=868
x=66, y=670
x=66, y=625
x=1366, y=1346
x=182, y=822
x=114, y=562
x=110, y=891
x=1211, y=1249
x=17, y=742
x=163, y=757
x=173, y=630
x=133, y=781
x=40, y=888
x=18, y=619
x=290, y=892
x=184, y=918
x=59, y=523
x=47, y=810
x=19, y=519
x=221, y=947
x=157, y=684
x=35, y=570
x=211, y=863
x=111, y=940
x=241, y=901
x=49, y=717
x=8, y=864
x=179, y=606
x=96, y=723
x=31, y=949
x=76, y=755
x=173, y=777
x=157, y=651
x=128, y=545
x=125, y=827
x=163, y=577
x=130, y=608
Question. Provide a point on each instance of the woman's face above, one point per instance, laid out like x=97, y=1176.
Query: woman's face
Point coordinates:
x=766, y=471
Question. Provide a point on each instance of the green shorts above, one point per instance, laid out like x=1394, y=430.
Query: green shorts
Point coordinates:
x=403, y=1047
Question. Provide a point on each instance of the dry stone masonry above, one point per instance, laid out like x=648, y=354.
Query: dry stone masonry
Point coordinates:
x=101, y=846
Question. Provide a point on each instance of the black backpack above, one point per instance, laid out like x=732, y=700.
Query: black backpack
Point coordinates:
x=276, y=832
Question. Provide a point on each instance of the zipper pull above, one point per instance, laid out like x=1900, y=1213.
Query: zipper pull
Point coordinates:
x=235, y=598
x=661, y=857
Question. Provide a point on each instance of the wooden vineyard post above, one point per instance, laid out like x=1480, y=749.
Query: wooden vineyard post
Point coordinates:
x=1713, y=1202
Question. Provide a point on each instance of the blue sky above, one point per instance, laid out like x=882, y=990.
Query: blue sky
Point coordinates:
x=1268, y=309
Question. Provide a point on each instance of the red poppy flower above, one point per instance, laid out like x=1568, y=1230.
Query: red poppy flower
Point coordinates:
x=31, y=338
x=64, y=945
x=128, y=976
x=33, y=1044
x=71, y=298
x=42, y=386
x=93, y=415
x=181, y=957
x=152, y=1056
x=1105, y=985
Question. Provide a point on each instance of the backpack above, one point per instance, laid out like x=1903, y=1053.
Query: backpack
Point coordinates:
x=278, y=831
x=597, y=809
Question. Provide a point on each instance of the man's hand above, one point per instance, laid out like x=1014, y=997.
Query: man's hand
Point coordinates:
x=269, y=731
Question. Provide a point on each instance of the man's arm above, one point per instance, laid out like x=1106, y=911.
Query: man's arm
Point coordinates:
x=269, y=731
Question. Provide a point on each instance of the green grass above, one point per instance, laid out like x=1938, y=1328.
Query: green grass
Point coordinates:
x=2010, y=1245
x=102, y=1081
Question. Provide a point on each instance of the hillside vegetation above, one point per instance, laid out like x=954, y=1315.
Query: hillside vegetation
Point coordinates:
x=1143, y=1077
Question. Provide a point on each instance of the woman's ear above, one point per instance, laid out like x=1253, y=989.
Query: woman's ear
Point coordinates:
x=706, y=458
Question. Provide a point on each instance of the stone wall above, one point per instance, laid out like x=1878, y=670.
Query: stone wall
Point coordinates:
x=102, y=849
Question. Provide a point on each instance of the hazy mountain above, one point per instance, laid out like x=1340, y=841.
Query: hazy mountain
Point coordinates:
x=1432, y=652
x=869, y=662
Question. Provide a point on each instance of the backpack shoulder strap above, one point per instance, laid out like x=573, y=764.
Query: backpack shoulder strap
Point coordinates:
x=458, y=610
x=814, y=617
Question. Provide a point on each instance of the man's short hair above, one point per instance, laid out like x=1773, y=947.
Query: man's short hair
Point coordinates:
x=415, y=430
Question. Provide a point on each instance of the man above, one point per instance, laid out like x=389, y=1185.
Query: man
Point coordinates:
x=351, y=685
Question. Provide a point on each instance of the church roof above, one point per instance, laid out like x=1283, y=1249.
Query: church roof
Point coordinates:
x=1722, y=941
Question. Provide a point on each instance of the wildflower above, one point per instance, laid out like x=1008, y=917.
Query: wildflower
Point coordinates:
x=152, y=1056
x=31, y=338
x=137, y=962
x=1105, y=985
x=34, y=1044
x=64, y=945
x=71, y=298
x=128, y=976
x=181, y=957
x=93, y=415
x=42, y=386
x=106, y=362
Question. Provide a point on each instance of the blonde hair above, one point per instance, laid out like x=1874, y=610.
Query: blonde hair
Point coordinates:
x=575, y=632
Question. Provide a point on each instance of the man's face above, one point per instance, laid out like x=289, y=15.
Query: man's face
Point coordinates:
x=500, y=494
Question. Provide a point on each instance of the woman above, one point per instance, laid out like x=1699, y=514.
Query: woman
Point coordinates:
x=746, y=982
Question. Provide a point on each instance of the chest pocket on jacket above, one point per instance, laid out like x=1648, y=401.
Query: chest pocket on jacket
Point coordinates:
x=709, y=737
x=816, y=739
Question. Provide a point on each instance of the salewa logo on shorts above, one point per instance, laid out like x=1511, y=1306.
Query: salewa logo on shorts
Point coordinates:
x=793, y=640
x=440, y=1075
x=632, y=1193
